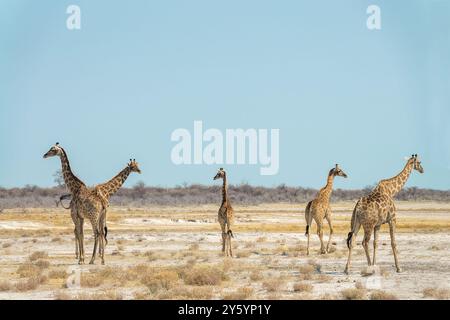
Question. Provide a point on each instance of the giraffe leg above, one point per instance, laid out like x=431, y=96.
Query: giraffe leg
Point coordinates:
x=375, y=244
x=77, y=245
x=224, y=234
x=229, y=249
x=96, y=239
x=229, y=252
x=308, y=229
x=74, y=216
x=78, y=240
x=394, y=244
x=350, y=243
x=81, y=240
x=365, y=243
x=320, y=234
x=102, y=237
x=328, y=217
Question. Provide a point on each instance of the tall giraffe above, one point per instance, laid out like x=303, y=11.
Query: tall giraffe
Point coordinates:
x=73, y=183
x=319, y=208
x=86, y=204
x=226, y=215
x=378, y=208
x=105, y=190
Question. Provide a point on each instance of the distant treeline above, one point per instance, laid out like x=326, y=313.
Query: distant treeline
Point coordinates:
x=243, y=194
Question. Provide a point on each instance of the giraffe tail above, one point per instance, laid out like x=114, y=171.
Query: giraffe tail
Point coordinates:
x=229, y=232
x=64, y=197
x=353, y=225
x=106, y=233
x=308, y=207
x=349, y=239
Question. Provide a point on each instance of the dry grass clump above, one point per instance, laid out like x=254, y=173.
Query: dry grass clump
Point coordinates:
x=42, y=264
x=57, y=274
x=240, y=294
x=201, y=293
x=243, y=254
x=302, y=287
x=5, y=286
x=184, y=293
x=256, y=275
x=28, y=270
x=194, y=247
x=103, y=295
x=56, y=239
x=152, y=256
x=31, y=283
x=156, y=281
x=204, y=276
x=135, y=272
x=306, y=269
x=38, y=255
x=90, y=280
x=382, y=295
x=141, y=295
x=353, y=294
x=7, y=245
x=317, y=266
x=437, y=293
x=273, y=285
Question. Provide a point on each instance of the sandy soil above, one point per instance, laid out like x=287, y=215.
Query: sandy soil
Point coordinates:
x=270, y=255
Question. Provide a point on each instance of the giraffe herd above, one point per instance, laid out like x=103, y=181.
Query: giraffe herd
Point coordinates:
x=370, y=212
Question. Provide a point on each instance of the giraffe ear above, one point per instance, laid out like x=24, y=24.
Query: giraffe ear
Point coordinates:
x=406, y=158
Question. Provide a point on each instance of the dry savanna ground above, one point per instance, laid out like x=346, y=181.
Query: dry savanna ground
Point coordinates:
x=174, y=253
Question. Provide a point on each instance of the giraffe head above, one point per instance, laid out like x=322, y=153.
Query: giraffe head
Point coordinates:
x=336, y=171
x=220, y=174
x=134, y=166
x=417, y=164
x=55, y=150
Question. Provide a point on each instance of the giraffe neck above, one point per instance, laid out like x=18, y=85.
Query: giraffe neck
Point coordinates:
x=107, y=189
x=72, y=182
x=225, y=189
x=325, y=192
x=393, y=185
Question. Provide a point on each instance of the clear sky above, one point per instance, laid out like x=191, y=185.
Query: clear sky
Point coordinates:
x=137, y=70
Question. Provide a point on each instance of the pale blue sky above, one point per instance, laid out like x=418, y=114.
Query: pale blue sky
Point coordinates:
x=137, y=70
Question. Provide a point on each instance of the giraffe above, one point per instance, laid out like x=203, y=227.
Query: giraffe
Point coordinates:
x=72, y=182
x=86, y=204
x=105, y=190
x=319, y=208
x=226, y=215
x=378, y=208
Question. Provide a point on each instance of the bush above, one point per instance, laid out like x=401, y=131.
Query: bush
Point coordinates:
x=160, y=280
x=353, y=294
x=204, y=276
